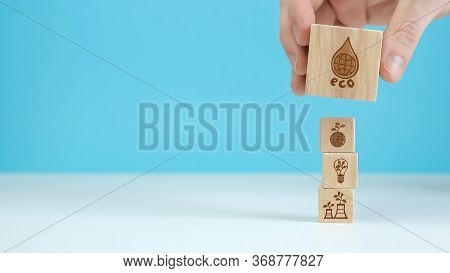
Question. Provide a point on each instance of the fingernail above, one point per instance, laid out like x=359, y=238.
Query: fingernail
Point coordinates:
x=293, y=61
x=298, y=90
x=394, y=64
x=294, y=31
x=295, y=66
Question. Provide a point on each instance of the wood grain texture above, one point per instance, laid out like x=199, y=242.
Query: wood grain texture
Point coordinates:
x=332, y=68
x=340, y=170
x=336, y=205
x=337, y=134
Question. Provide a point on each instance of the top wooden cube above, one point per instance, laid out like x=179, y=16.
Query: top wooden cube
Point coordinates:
x=343, y=62
x=337, y=135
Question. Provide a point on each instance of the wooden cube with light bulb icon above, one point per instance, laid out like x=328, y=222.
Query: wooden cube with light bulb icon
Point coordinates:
x=339, y=170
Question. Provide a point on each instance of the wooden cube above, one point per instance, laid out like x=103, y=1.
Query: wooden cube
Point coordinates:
x=336, y=205
x=343, y=62
x=340, y=170
x=337, y=135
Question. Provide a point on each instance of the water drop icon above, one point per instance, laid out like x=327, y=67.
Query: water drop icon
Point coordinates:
x=345, y=63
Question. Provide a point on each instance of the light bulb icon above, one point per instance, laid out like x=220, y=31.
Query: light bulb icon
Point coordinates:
x=340, y=166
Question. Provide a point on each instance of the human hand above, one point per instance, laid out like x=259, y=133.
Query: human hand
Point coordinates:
x=406, y=20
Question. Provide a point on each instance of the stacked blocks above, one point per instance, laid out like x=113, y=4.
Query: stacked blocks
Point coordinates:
x=339, y=170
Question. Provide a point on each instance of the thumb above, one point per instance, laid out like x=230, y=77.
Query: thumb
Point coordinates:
x=402, y=35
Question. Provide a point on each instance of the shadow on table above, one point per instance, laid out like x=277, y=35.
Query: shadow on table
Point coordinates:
x=210, y=210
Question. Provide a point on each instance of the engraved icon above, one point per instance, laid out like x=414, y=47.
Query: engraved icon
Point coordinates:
x=340, y=166
x=340, y=208
x=345, y=65
x=328, y=210
x=337, y=138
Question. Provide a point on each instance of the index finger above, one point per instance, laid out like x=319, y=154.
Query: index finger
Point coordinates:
x=302, y=14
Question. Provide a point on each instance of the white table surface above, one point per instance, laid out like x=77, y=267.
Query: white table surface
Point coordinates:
x=218, y=213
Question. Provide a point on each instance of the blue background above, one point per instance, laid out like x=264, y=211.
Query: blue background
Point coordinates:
x=62, y=109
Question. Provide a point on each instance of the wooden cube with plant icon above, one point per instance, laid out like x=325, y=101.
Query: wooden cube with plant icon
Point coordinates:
x=339, y=170
x=336, y=205
x=337, y=135
x=343, y=62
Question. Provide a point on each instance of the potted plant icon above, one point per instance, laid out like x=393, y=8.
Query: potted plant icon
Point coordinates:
x=340, y=208
x=337, y=138
x=328, y=210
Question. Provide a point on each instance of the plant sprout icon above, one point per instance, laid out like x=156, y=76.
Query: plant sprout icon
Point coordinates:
x=337, y=138
x=340, y=166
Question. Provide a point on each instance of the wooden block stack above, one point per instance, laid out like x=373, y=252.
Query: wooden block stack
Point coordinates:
x=339, y=170
x=343, y=62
